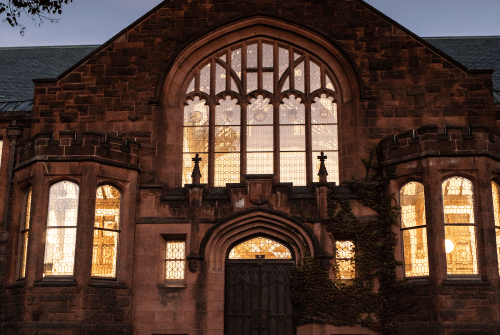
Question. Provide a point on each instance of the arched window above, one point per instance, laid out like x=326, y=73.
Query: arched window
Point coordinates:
x=260, y=247
x=459, y=226
x=260, y=107
x=25, y=232
x=496, y=210
x=413, y=226
x=61, y=229
x=106, y=231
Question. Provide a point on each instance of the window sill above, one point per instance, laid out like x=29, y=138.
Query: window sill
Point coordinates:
x=107, y=283
x=173, y=286
x=465, y=281
x=56, y=282
x=419, y=281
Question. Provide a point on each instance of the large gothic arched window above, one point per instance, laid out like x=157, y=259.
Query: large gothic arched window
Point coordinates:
x=260, y=107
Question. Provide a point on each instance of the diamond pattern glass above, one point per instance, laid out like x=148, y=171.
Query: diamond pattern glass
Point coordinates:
x=293, y=168
x=283, y=60
x=234, y=87
x=106, y=231
x=61, y=229
x=296, y=56
x=315, y=76
x=25, y=233
x=293, y=138
x=196, y=139
x=205, y=79
x=260, y=112
x=228, y=112
x=251, y=81
x=329, y=84
x=460, y=236
x=260, y=138
x=220, y=79
x=196, y=113
x=300, y=77
x=260, y=163
x=286, y=85
x=292, y=111
x=252, y=55
x=236, y=62
x=415, y=238
x=324, y=137
x=344, y=258
x=260, y=247
x=175, y=259
x=323, y=110
x=227, y=138
x=227, y=168
x=223, y=58
x=267, y=55
x=267, y=81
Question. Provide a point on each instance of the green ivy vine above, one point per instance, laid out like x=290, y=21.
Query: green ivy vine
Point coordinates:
x=375, y=296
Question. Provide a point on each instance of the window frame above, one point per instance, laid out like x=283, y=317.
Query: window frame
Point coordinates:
x=416, y=227
x=475, y=253
x=496, y=213
x=174, y=282
x=307, y=99
x=352, y=260
x=25, y=228
x=118, y=231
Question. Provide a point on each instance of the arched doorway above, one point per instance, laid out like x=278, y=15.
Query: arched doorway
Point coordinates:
x=257, y=288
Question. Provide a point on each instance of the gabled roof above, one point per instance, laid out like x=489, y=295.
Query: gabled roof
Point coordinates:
x=475, y=52
x=19, y=66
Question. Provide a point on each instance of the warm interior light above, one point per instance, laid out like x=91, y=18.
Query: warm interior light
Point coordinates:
x=449, y=246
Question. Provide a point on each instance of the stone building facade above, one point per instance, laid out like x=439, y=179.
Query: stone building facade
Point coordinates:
x=106, y=228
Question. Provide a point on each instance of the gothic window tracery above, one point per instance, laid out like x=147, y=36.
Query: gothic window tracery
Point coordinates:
x=260, y=247
x=260, y=107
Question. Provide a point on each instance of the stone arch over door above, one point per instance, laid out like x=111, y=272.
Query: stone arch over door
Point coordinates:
x=222, y=237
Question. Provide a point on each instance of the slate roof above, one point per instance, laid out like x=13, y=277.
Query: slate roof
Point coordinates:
x=18, y=66
x=475, y=52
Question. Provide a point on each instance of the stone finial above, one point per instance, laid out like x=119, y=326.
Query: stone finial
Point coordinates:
x=196, y=175
x=322, y=168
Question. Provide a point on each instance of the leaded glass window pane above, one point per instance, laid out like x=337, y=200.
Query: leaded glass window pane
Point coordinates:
x=106, y=231
x=260, y=247
x=220, y=79
x=269, y=116
x=227, y=168
x=205, y=79
x=61, y=229
x=252, y=55
x=415, y=236
x=175, y=259
x=331, y=164
x=496, y=211
x=300, y=77
x=329, y=84
x=460, y=237
x=344, y=258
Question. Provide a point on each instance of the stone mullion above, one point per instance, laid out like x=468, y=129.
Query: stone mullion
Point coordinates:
x=260, y=80
x=291, y=68
x=276, y=65
x=276, y=140
x=306, y=74
x=228, y=70
x=309, y=159
x=243, y=139
x=211, y=124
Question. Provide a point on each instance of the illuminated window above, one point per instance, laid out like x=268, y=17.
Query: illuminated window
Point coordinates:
x=175, y=259
x=260, y=108
x=496, y=209
x=414, y=230
x=460, y=230
x=25, y=230
x=1, y=149
x=106, y=231
x=61, y=229
x=260, y=247
x=344, y=258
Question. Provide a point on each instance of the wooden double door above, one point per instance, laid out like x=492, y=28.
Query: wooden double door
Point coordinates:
x=258, y=298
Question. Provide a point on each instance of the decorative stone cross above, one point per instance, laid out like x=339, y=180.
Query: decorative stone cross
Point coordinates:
x=322, y=168
x=196, y=175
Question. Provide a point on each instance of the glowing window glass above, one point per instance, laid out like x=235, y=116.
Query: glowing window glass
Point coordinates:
x=460, y=232
x=106, y=231
x=175, y=259
x=272, y=129
x=344, y=258
x=61, y=229
x=413, y=224
x=260, y=247
x=496, y=210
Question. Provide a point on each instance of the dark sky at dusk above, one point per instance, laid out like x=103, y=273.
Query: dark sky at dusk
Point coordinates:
x=96, y=21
